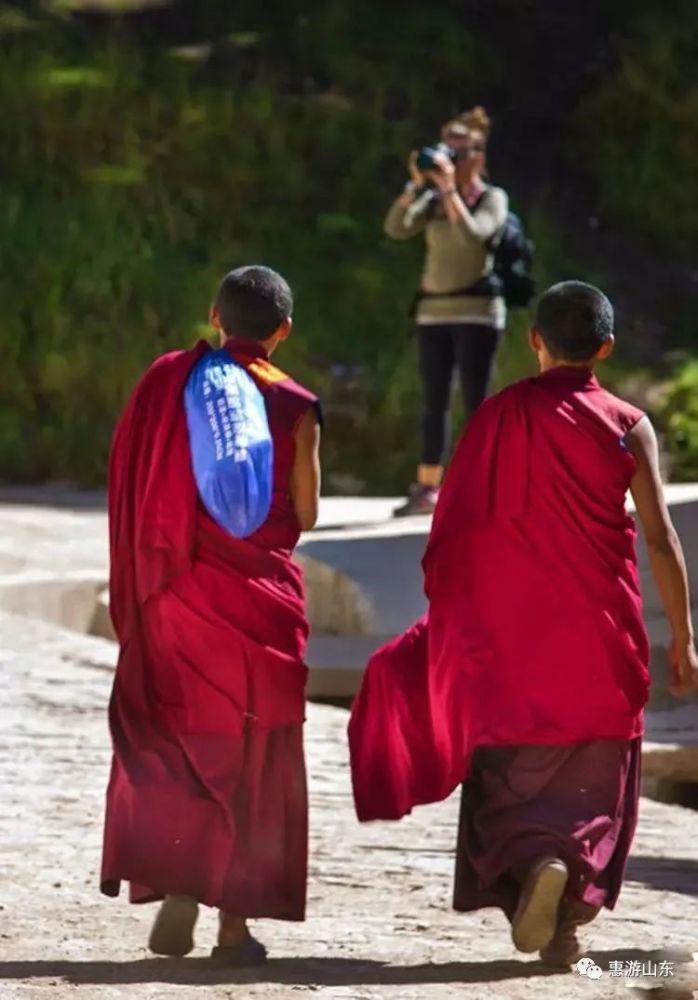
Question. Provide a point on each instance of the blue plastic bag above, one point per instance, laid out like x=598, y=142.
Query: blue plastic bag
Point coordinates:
x=232, y=451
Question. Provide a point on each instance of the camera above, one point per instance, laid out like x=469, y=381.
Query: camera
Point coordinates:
x=426, y=155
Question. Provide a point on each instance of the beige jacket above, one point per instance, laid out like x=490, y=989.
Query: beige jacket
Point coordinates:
x=457, y=255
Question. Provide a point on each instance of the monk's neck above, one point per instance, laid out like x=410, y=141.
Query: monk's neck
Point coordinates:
x=548, y=365
x=250, y=347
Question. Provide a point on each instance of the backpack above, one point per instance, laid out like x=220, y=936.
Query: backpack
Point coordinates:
x=513, y=253
x=230, y=442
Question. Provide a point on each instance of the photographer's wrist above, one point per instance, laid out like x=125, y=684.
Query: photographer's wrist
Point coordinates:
x=408, y=195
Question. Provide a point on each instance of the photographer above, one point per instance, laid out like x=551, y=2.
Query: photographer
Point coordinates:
x=460, y=312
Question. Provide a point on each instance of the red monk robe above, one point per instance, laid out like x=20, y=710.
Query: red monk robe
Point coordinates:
x=529, y=679
x=535, y=632
x=527, y=683
x=207, y=796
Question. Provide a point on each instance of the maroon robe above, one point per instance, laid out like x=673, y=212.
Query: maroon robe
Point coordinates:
x=577, y=802
x=534, y=637
x=207, y=795
x=534, y=633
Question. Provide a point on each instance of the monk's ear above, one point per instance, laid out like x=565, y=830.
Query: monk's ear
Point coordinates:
x=215, y=321
x=535, y=341
x=606, y=350
x=284, y=330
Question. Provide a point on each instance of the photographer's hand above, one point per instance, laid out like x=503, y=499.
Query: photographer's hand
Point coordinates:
x=444, y=177
x=416, y=175
x=416, y=181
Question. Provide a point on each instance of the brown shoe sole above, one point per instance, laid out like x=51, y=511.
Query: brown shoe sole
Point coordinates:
x=535, y=920
x=173, y=930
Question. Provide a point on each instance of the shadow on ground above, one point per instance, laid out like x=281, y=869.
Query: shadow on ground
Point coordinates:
x=314, y=971
x=292, y=972
x=665, y=874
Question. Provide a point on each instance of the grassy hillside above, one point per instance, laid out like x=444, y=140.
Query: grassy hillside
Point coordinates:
x=135, y=172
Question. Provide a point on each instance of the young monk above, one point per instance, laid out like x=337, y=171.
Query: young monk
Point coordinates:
x=531, y=675
x=207, y=797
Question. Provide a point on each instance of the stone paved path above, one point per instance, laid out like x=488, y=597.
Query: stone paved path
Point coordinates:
x=379, y=920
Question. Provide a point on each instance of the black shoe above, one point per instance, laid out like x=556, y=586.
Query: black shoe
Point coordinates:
x=248, y=952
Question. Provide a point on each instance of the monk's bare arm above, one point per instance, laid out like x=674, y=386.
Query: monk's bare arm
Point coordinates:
x=305, y=475
x=666, y=555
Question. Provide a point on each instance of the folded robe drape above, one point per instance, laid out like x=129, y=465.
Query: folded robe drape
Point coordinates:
x=534, y=633
x=207, y=792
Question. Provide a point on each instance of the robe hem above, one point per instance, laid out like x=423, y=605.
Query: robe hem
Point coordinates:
x=112, y=888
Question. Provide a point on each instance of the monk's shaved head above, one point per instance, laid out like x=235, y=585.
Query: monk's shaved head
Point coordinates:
x=575, y=320
x=253, y=302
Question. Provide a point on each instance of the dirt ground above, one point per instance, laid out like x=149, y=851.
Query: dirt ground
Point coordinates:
x=379, y=918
